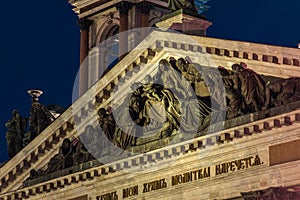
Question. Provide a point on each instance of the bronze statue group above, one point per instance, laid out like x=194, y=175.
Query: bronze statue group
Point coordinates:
x=18, y=136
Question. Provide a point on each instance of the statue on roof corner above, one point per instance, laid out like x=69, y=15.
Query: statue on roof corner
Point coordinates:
x=16, y=128
x=175, y=5
x=40, y=117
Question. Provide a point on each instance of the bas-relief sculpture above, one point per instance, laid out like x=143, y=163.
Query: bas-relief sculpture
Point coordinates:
x=282, y=92
x=71, y=152
x=179, y=99
x=165, y=103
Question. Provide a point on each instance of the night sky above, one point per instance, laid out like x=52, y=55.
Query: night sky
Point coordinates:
x=40, y=45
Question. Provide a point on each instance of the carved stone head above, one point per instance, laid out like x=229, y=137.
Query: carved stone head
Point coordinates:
x=148, y=79
x=236, y=67
x=102, y=112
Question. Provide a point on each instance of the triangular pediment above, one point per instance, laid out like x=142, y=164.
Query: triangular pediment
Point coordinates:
x=269, y=61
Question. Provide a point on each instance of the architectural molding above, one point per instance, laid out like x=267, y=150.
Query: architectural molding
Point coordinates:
x=123, y=7
x=88, y=8
x=84, y=23
x=102, y=29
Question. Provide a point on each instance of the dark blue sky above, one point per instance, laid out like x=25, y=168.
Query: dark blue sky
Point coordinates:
x=40, y=45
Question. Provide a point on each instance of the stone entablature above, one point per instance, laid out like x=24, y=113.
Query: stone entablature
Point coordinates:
x=39, y=151
x=86, y=8
x=205, y=153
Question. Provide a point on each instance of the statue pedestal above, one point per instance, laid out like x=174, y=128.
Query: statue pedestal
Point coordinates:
x=185, y=22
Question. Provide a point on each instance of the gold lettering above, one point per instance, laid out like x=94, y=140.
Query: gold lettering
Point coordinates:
x=242, y=165
x=232, y=167
x=256, y=161
x=164, y=184
x=132, y=191
x=186, y=177
x=200, y=174
x=195, y=175
x=145, y=188
x=207, y=172
x=218, y=169
x=158, y=184
x=238, y=163
x=174, y=181
x=248, y=161
x=108, y=196
x=180, y=179
x=190, y=176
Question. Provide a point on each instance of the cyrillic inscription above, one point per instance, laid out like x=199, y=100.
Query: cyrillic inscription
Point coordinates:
x=108, y=196
x=236, y=165
x=191, y=176
x=155, y=185
x=186, y=177
x=132, y=191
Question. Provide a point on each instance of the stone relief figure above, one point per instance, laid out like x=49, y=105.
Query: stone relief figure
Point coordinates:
x=174, y=89
x=181, y=65
x=81, y=154
x=208, y=87
x=182, y=4
x=153, y=104
x=282, y=92
x=63, y=159
x=233, y=99
x=122, y=134
x=130, y=118
x=251, y=86
x=16, y=128
x=184, y=110
x=192, y=73
x=172, y=80
x=173, y=62
x=70, y=153
x=87, y=138
x=151, y=90
x=136, y=103
x=107, y=124
x=213, y=81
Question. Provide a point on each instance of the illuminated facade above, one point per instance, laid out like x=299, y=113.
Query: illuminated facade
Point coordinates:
x=246, y=156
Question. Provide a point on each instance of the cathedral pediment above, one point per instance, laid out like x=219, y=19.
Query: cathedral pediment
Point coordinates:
x=181, y=94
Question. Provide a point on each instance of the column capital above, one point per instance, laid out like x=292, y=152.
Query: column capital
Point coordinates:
x=84, y=23
x=123, y=7
x=145, y=7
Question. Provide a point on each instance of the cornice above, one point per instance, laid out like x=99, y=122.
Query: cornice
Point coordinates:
x=88, y=8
